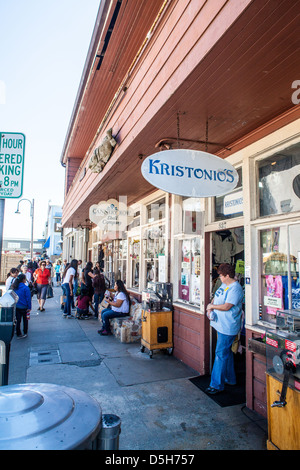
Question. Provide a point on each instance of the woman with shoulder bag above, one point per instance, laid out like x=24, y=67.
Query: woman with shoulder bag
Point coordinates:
x=42, y=276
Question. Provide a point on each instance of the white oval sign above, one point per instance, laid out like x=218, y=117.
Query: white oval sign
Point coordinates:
x=190, y=173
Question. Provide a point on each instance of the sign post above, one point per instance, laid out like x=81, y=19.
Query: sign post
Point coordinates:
x=12, y=154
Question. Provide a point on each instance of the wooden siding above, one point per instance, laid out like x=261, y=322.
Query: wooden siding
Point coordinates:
x=256, y=392
x=188, y=336
x=71, y=169
x=132, y=25
x=220, y=60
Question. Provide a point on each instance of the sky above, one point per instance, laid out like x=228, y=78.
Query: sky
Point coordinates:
x=43, y=47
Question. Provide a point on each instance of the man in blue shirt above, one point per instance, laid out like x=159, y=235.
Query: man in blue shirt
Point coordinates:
x=225, y=314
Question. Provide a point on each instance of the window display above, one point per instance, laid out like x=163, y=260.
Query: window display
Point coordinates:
x=156, y=210
x=134, y=250
x=121, y=259
x=280, y=256
x=192, y=216
x=154, y=249
x=189, y=279
x=278, y=172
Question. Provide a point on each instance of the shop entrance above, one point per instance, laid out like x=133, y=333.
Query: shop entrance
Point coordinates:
x=227, y=246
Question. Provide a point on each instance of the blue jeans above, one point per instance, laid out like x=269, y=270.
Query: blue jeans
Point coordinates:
x=69, y=299
x=223, y=369
x=97, y=300
x=107, y=314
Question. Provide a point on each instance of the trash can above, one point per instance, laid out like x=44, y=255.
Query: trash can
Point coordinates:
x=48, y=417
x=8, y=304
x=108, y=438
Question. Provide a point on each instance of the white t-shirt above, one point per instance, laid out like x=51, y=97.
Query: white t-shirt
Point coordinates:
x=125, y=305
x=9, y=282
x=70, y=272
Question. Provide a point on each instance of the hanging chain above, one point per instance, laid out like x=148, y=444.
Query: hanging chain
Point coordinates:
x=178, y=129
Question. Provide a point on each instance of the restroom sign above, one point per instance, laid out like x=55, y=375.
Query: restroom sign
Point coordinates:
x=12, y=155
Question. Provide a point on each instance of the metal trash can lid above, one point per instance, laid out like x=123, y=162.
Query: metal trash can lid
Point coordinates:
x=47, y=417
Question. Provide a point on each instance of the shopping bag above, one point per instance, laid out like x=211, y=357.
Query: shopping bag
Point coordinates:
x=49, y=292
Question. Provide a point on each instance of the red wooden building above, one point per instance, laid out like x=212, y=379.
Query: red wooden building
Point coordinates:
x=215, y=75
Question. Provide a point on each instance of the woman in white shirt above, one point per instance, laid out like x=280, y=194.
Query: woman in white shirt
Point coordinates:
x=118, y=307
x=69, y=276
x=13, y=273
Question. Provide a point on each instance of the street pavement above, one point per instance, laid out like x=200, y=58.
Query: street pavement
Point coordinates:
x=160, y=409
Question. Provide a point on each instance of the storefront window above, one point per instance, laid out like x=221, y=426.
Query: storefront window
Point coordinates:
x=154, y=249
x=156, y=211
x=280, y=171
x=189, y=278
x=108, y=262
x=135, y=261
x=121, y=259
x=230, y=205
x=280, y=257
x=192, y=216
x=136, y=220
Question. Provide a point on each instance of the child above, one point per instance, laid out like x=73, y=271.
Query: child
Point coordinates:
x=83, y=303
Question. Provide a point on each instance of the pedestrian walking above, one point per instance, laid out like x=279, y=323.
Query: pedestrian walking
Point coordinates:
x=57, y=272
x=69, y=277
x=49, y=266
x=23, y=306
x=63, y=267
x=42, y=277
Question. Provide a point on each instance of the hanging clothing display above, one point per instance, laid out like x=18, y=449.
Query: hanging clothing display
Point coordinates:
x=223, y=248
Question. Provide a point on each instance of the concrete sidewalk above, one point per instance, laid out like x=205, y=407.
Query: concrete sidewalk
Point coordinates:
x=160, y=409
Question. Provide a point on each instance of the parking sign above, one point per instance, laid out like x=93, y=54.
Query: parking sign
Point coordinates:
x=12, y=154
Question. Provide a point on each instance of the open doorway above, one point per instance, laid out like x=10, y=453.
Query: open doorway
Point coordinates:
x=227, y=246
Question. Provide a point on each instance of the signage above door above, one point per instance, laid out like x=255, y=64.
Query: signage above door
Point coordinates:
x=190, y=173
